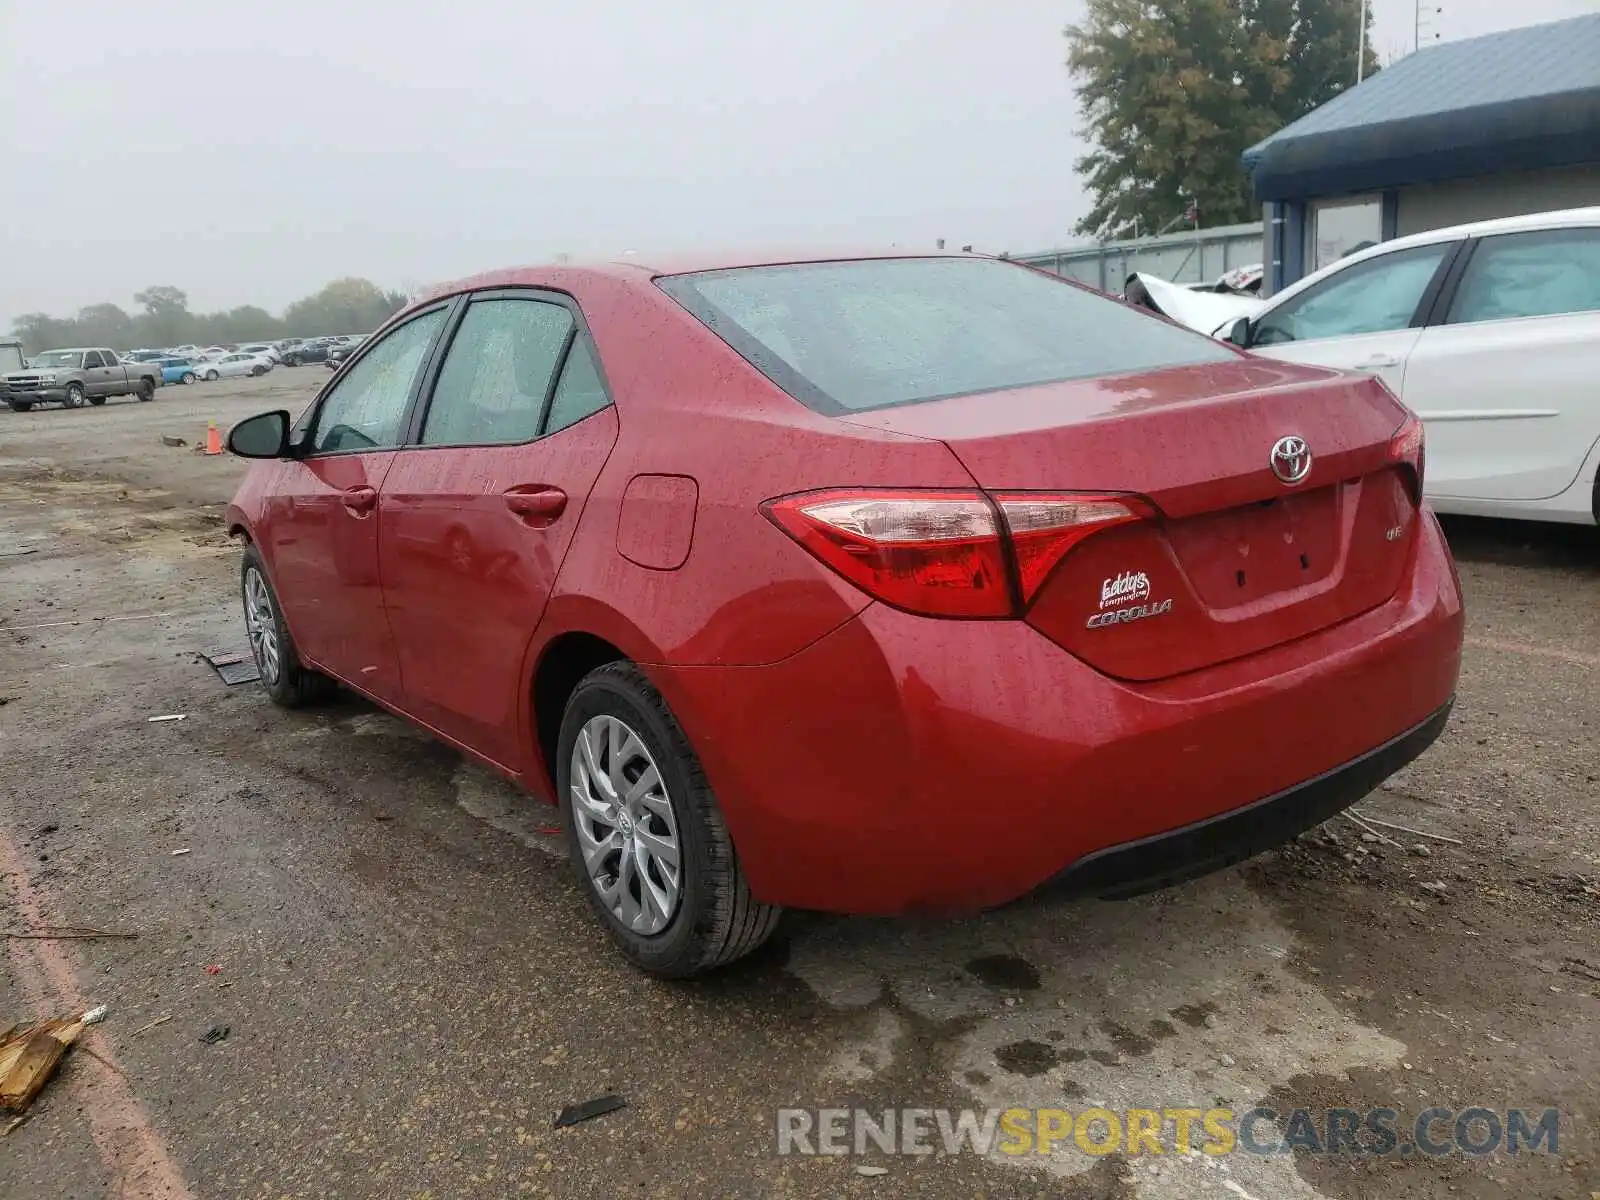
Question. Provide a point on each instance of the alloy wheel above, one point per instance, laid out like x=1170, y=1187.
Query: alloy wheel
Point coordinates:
x=626, y=829
x=263, y=629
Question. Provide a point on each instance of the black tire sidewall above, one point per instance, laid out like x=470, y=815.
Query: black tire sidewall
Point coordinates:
x=615, y=692
x=291, y=687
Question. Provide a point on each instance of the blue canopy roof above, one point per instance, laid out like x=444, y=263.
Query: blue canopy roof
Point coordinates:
x=1520, y=100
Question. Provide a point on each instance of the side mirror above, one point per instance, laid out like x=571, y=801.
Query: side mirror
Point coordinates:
x=1239, y=334
x=263, y=436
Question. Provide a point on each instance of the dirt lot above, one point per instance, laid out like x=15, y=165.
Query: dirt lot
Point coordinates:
x=412, y=986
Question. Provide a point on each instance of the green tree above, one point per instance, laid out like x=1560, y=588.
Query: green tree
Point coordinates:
x=104, y=325
x=1174, y=91
x=167, y=320
x=343, y=306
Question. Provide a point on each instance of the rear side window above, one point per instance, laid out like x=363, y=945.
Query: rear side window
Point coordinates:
x=846, y=337
x=497, y=374
x=580, y=391
x=1541, y=274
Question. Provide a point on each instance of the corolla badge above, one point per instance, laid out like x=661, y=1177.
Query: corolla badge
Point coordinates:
x=1291, y=459
x=1127, y=596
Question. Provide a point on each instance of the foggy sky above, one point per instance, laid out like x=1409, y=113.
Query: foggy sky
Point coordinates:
x=248, y=153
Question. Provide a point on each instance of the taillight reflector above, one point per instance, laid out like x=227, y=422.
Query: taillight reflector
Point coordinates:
x=1408, y=447
x=947, y=553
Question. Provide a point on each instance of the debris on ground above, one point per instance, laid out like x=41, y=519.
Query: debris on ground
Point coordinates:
x=62, y=933
x=29, y=1055
x=168, y=439
x=17, y=551
x=574, y=1114
x=147, y=1028
x=233, y=666
x=167, y=717
x=217, y=1033
x=213, y=969
x=871, y=1172
x=182, y=852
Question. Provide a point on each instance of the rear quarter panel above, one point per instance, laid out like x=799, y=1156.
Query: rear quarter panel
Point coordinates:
x=745, y=594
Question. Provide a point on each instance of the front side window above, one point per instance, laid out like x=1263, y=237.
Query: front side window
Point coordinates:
x=1540, y=274
x=497, y=373
x=851, y=336
x=367, y=406
x=1378, y=295
x=92, y=359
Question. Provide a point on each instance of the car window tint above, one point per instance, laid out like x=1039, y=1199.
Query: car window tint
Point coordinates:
x=366, y=407
x=1375, y=296
x=580, y=391
x=497, y=373
x=92, y=359
x=1536, y=274
x=849, y=336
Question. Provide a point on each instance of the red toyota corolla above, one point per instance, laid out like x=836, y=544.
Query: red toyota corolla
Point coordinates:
x=869, y=584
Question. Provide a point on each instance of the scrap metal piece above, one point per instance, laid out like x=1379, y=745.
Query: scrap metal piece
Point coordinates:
x=573, y=1114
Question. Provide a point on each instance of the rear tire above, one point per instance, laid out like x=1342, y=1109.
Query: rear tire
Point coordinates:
x=212, y=376
x=289, y=683
x=616, y=720
x=187, y=377
x=255, y=371
x=147, y=390
x=97, y=401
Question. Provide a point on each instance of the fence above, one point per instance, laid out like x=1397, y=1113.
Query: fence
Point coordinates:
x=1189, y=256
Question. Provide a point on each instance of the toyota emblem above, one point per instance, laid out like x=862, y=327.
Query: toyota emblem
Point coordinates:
x=1291, y=459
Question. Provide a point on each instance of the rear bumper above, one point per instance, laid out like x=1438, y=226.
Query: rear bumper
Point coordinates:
x=1209, y=845
x=905, y=764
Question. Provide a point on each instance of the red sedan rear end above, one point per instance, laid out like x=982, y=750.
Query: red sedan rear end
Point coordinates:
x=882, y=585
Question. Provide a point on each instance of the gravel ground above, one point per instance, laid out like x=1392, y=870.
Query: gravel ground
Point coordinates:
x=412, y=985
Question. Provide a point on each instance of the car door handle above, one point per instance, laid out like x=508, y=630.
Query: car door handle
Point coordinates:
x=1380, y=360
x=360, y=500
x=536, y=506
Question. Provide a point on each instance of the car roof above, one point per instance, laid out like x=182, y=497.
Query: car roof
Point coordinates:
x=649, y=266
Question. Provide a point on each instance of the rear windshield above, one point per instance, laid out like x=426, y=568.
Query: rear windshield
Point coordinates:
x=846, y=337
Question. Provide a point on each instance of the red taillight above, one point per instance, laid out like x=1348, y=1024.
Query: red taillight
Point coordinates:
x=942, y=553
x=1408, y=448
x=1044, y=527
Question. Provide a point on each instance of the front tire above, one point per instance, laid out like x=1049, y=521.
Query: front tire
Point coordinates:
x=647, y=841
x=212, y=376
x=73, y=397
x=21, y=405
x=283, y=677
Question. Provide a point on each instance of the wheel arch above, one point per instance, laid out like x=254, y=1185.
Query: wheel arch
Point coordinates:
x=576, y=634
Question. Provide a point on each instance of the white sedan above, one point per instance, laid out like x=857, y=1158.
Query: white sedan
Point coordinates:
x=1488, y=332
x=232, y=365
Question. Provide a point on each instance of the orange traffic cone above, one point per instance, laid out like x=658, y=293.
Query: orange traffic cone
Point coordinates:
x=213, y=438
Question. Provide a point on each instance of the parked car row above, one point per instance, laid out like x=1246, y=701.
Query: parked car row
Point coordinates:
x=1490, y=332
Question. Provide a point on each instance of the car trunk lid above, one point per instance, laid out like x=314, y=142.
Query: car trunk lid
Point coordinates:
x=1235, y=559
